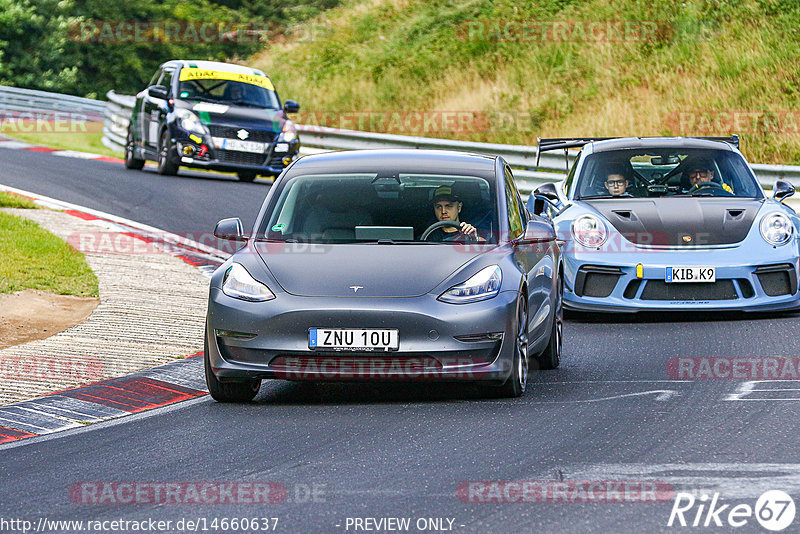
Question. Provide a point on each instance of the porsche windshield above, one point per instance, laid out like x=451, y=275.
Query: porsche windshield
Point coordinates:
x=228, y=92
x=393, y=209
x=666, y=172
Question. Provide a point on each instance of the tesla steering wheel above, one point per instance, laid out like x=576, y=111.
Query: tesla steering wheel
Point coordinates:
x=472, y=238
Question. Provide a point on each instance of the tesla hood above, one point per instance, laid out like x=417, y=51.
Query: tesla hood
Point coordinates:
x=363, y=270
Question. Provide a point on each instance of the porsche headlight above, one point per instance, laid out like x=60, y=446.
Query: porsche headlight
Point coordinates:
x=483, y=285
x=776, y=228
x=589, y=231
x=289, y=132
x=238, y=284
x=190, y=122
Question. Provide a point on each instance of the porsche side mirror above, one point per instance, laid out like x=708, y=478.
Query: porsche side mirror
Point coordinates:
x=230, y=229
x=547, y=190
x=782, y=190
x=290, y=106
x=538, y=232
x=158, y=91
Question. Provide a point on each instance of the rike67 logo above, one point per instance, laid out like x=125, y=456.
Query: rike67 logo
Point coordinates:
x=774, y=510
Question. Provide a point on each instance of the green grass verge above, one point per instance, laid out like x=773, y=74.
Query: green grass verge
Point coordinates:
x=7, y=200
x=33, y=258
x=708, y=65
x=81, y=141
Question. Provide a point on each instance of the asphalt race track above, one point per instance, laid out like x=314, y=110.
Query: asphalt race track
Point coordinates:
x=612, y=413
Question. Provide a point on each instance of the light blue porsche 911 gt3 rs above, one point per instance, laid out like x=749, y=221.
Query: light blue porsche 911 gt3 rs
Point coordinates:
x=670, y=224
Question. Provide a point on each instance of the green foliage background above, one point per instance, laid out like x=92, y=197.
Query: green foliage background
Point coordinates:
x=37, y=50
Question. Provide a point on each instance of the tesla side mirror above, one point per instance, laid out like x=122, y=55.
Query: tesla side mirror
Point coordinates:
x=538, y=232
x=782, y=190
x=158, y=91
x=290, y=106
x=230, y=229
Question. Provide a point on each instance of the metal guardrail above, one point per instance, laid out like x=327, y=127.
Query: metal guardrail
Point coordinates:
x=20, y=102
x=116, y=113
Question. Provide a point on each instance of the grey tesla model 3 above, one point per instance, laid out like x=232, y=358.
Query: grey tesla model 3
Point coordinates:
x=387, y=265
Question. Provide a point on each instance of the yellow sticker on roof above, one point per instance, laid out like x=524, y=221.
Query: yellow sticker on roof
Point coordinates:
x=204, y=74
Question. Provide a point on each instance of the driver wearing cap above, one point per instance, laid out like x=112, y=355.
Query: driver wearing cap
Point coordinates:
x=447, y=207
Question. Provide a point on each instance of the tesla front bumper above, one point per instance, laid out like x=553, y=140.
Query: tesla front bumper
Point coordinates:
x=437, y=341
x=609, y=282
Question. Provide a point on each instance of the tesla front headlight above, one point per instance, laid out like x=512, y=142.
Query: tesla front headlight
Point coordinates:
x=289, y=132
x=238, y=284
x=776, y=228
x=485, y=284
x=190, y=122
x=589, y=231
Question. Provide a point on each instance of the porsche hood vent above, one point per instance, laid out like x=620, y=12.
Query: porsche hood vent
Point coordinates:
x=682, y=221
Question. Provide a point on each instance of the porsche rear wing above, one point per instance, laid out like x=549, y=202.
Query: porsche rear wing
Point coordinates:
x=564, y=143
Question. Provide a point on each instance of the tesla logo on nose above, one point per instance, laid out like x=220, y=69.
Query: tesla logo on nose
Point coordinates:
x=242, y=134
x=356, y=288
x=687, y=239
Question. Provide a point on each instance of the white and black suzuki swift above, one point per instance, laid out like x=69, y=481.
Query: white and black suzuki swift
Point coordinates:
x=211, y=115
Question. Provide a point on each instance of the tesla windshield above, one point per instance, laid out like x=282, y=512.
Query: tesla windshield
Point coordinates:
x=228, y=92
x=369, y=207
x=666, y=172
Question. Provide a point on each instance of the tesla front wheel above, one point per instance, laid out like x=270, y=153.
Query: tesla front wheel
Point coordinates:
x=228, y=391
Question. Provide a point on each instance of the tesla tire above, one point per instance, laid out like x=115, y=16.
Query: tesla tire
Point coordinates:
x=228, y=391
x=515, y=385
x=551, y=356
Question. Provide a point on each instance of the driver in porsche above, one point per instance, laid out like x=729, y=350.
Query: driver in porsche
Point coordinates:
x=447, y=207
x=701, y=173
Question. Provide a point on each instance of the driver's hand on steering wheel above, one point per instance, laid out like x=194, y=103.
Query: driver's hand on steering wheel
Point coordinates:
x=468, y=229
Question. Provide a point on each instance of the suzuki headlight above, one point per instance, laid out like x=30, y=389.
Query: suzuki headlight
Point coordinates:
x=238, y=284
x=190, y=122
x=289, y=132
x=776, y=228
x=589, y=231
x=485, y=284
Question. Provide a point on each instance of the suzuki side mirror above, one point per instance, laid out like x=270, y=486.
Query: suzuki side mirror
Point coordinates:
x=158, y=91
x=290, y=106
